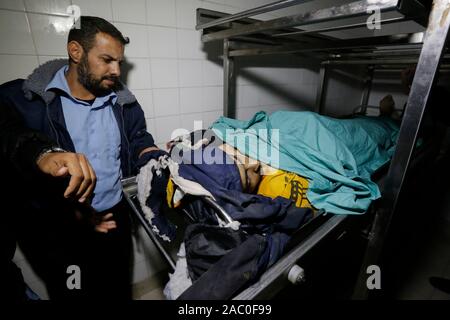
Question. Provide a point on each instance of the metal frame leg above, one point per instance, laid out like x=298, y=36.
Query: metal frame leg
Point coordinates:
x=229, y=92
x=367, y=89
x=321, y=89
x=130, y=192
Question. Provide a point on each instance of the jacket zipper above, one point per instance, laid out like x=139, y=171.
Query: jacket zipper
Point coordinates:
x=126, y=139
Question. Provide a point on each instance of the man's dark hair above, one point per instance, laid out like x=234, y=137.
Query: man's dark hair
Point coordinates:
x=89, y=27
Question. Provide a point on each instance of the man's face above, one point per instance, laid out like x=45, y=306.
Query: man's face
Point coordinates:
x=99, y=69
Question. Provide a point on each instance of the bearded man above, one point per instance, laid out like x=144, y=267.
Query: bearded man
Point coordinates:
x=83, y=106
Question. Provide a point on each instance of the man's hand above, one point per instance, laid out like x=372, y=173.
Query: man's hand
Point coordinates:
x=101, y=223
x=149, y=149
x=150, y=153
x=61, y=164
x=105, y=224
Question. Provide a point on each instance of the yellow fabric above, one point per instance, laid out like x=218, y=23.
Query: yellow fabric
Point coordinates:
x=170, y=191
x=287, y=185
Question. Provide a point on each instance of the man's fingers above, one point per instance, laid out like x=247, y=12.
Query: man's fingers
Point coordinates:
x=53, y=164
x=105, y=224
x=60, y=164
x=91, y=185
x=109, y=225
x=104, y=227
x=87, y=179
x=101, y=230
x=76, y=174
x=107, y=216
x=82, y=176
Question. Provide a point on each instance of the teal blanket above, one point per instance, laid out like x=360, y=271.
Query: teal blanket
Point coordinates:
x=337, y=156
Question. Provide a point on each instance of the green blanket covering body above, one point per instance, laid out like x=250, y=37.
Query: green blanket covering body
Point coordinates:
x=337, y=156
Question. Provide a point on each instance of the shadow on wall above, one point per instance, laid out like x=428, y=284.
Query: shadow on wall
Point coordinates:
x=214, y=51
x=344, y=89
x=347, y=78
x=125, y=71
x=280, y=62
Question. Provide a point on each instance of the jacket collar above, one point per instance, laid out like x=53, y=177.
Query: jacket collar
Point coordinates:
x=38, y=80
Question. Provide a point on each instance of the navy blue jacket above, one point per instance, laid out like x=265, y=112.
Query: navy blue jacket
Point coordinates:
x=42, y=111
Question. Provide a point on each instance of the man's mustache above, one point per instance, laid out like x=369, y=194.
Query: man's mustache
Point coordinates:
x=112, y=78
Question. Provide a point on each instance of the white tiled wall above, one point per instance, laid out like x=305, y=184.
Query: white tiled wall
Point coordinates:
x=167, y=68
x=344, y=91
x=276, y=86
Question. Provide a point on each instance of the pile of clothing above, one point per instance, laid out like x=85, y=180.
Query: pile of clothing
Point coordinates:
x=221, y=258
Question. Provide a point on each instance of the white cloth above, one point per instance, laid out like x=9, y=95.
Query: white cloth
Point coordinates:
x=179, y=279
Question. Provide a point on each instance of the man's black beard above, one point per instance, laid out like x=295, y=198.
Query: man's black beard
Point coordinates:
x=92, y=84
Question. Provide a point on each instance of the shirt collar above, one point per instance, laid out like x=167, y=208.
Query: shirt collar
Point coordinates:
x=59, y=82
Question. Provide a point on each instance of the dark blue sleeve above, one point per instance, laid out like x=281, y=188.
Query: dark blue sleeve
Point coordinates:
x=138, y=136
x=19, y=145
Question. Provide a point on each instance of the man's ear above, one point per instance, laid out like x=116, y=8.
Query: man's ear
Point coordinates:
x=75, y=51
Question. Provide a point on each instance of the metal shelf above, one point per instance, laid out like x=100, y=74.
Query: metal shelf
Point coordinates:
x=313, y=34
x=219, y=26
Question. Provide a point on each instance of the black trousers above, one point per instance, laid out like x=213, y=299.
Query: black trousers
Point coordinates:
x=67, y=253
x=110, y=270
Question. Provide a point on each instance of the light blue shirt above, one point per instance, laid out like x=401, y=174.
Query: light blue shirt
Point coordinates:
x=95, y=133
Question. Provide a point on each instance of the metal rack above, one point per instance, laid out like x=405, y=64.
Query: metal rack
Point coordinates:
x=304, y=34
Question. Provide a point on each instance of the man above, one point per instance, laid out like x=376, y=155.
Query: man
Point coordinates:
x=31, y=153
x=83, y=106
